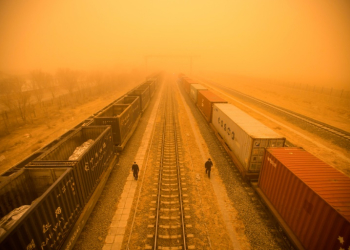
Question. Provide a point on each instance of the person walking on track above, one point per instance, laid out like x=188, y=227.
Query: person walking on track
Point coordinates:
x=208, y=166
x=135, y=170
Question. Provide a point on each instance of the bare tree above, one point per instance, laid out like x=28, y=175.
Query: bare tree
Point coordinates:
x=96, y=79
x=7, y=101
x=22, y=97
x=17, y=95
x=51, y=85
x=6, y=93
x=67, y=79
x=39, y=82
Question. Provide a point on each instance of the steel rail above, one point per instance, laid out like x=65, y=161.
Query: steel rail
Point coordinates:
x=196, y=185
x=160, y=181
x=143, y=178
x=169, y=127
x=179, y=180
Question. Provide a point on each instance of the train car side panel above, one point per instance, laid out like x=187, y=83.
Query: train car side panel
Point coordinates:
x=120, y=118
x=151, y=85
x=135, y=106
x=144, y=95
x=312, y=197
x=245, y=136
x=187, y=82
x=89, y=165
x=52, y=208
x=205, y=103
x=194, y=91
x=237, y=140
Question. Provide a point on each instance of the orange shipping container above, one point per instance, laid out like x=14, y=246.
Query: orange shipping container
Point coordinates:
x=205, y=102
x=187, y=84
x=312, y=197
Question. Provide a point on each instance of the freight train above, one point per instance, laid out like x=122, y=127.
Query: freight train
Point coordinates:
x=43, y=197
x=309, y=199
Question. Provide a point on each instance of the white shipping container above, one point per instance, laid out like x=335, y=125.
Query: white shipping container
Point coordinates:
x=246, y=137
x=194, y=91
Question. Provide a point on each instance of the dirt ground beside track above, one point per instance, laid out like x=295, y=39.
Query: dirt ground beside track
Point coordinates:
x=27, y=139
x=325, y=108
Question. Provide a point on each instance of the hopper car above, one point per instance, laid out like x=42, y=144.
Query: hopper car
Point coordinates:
x=46, y=198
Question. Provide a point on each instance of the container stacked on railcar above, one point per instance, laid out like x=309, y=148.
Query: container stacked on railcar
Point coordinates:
x=245, y=136
x=187, y=82
x=194, y=91
x=180, y=79
x=312, y=197
x=205, y=102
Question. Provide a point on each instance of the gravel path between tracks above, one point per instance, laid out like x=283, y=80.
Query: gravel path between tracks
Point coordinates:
x=96, y=228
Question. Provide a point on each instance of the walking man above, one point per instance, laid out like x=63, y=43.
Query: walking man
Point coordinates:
x=208, y=166
x=135, y=170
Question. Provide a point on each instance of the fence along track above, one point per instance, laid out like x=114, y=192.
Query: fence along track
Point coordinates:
x=170, y=227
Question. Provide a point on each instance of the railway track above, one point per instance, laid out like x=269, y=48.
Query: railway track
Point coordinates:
x=168, y=224
x=169, y=219
x=341, y=134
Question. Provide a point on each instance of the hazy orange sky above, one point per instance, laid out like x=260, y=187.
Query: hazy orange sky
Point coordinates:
x=285, y=39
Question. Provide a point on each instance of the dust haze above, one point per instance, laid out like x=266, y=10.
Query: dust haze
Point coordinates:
x=302, y=41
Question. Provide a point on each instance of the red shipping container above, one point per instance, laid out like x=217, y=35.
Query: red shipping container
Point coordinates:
x=205, y=102
x=312, y=197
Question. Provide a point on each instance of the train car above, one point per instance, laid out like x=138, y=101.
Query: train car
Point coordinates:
x=186, y=83
x=180, y=79
x=38, y=208
x=122, y=118
x=21, y=165
x=35, y=155
x=143, y=93
x=205, y=103
x=103, y=109
x=46, y=192
x=86, y=122
x=88, y=151
x=151, y=85
x=194, y=91
x=311, y=197
x=245, y=137
x=180, y=76
x=135, y=103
